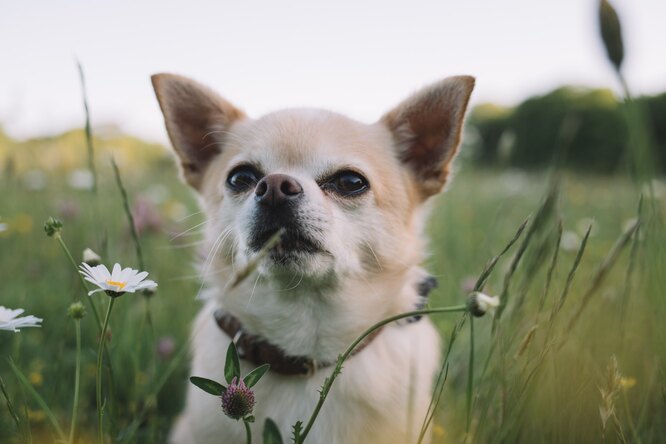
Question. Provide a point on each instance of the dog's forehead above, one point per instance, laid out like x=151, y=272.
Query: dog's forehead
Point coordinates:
x=311, y=138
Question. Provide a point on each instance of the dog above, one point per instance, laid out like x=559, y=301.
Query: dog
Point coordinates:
x=352, y=200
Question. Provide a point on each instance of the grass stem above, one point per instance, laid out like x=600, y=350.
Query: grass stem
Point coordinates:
x=470, y=375
x=77, y=381
x=83, y=282
x=88, y=130
x=40, y=401
x=98, y=382
x=248, y=432
x=128, y=213
x=10, y=406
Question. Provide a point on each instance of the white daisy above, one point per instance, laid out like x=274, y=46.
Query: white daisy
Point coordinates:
x=10, y=321
x=119, y=281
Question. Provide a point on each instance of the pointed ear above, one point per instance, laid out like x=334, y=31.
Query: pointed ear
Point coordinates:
x=196, y=119
x=427, y=127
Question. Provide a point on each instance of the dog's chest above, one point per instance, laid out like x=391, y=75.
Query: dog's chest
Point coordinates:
x=373, y=397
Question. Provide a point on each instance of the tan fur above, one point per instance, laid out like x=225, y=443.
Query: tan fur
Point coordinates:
x=196, y=119
x=370, y=268
x=428, y=125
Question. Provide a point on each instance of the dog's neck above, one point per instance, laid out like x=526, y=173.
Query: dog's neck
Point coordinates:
x=320, y=321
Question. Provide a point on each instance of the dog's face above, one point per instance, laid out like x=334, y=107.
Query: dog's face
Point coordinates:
x=347, y=194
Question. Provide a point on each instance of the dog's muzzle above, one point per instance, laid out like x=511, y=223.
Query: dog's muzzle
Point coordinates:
x=277, y=190
x=277, y=198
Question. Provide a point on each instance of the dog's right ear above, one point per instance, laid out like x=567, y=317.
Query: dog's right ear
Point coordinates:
x=196, y=119
x=427, y=129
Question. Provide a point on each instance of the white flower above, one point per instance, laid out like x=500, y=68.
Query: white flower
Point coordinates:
x=479, y=303
x=119, y=281
x=91, y=258
x=10, y=321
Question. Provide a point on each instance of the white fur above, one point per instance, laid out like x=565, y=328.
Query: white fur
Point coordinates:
x=368, y=403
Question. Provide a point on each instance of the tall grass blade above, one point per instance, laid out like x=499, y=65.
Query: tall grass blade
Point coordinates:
x=603, y=270
x=628, y=280
x=470, y=375
x=572, y=273
x=485, y=274
x=540, y=219
x=88, y=129
x=10, y=406
x=38, y=399
x=128, y=213
x=551, y=268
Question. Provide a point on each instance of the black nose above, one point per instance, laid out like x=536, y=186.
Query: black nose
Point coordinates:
x=276, y=189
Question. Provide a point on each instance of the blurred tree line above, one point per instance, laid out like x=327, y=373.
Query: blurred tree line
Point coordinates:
x=584, y=129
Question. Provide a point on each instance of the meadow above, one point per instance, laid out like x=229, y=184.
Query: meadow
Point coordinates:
x=575, y=352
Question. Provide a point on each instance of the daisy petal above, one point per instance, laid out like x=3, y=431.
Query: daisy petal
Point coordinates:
x=138, y=278
x=115, y=274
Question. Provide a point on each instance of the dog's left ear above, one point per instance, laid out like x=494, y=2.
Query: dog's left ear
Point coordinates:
x=427, y=127
x=196, y=119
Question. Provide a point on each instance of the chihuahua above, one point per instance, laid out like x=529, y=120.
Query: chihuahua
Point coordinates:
x=351, y=201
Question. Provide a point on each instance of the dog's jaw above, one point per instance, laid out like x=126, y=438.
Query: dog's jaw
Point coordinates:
x=318, y=317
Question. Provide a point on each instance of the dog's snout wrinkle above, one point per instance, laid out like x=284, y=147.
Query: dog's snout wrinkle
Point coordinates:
x=276, y=189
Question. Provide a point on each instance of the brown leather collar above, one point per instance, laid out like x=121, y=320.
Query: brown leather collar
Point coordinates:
x=259, y=351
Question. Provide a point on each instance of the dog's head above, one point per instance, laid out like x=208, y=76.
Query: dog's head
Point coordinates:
x=348, y=195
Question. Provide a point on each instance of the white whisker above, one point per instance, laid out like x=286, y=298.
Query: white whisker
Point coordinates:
x=253, y=289
x=211, y=254
x=188, y=230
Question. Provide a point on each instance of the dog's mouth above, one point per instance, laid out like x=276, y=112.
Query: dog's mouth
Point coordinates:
x=293, y=246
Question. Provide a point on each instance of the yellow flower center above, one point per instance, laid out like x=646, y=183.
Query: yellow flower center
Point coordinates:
x=120, y=285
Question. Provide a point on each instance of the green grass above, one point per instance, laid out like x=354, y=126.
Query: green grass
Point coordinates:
x=531, y=384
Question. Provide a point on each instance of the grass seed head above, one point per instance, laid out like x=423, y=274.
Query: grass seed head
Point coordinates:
x=76, y=311
x=611, y=33
x=52, y=226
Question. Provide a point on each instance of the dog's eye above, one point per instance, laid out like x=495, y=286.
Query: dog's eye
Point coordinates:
x=347, y=183
x=243, y=178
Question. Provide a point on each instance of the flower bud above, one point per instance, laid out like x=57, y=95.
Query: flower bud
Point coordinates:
x=237, y=400
x=52, y=226
x=76, y=311
x=91, y=258
x=611, y=33
x=479, y=304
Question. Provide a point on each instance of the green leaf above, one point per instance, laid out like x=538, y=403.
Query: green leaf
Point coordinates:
x=296, y=431
x=232, y=364
x=271, y=433
x=208, y=385
x=249, y=419
x=255, y=375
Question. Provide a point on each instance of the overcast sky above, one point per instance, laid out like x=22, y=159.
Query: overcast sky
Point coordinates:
x=356, y=57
